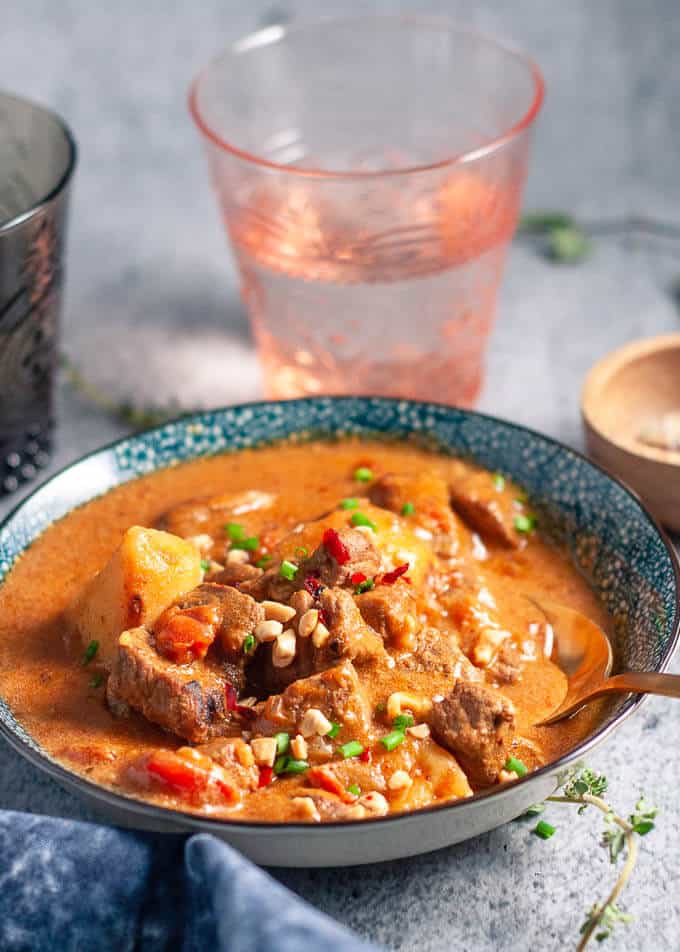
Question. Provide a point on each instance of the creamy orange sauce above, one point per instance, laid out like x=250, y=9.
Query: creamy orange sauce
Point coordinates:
x=51, y=693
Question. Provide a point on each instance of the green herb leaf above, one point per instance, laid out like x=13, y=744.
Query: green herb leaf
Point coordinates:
x=288, y=570
x=541, y=223
x=282, y=742
x=568, y=244
x=359, y=519
x=90, y=652
x=351, y=749
x=402, y=721
x=543, y=830
x=235, y=531
x=364, y=586
x=393, y=739
x=525, y=523
x=248, y=644
x=517, y=766
x=355, y=789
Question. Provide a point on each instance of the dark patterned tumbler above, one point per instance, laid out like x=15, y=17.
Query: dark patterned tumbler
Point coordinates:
x=37, y=158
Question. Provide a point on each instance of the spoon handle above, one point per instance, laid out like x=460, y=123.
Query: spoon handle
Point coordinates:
x=643, y=682
x=631, y=682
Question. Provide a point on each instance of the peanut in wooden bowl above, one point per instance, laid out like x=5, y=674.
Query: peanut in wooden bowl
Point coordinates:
x=627, y=400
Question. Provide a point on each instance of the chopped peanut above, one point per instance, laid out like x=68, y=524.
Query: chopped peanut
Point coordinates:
x=237, y=557
x=268, y=630
x=283, y=650
x=308, y=623
x=374, y=803
x=420, y=731
x=320, y=636
x=203, y=542
x=277, y=611
x=264, y=751
x=505, y=776
x=400, y=701
x=298, y=747
x=399, y=780
x=307, y=809
x=315, y=722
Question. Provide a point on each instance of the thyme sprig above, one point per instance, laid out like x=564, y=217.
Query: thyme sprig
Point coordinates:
x=584, y=788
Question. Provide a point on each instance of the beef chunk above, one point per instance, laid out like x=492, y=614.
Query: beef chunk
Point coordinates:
x=362, y=554
x=429, y=495
x=269, y=585
x=336, y=692
x=507, y=665
x=391, y=611
x=208, y=611
x=350, y=636
x=234, y=573
x=476, y=724
x=438, y=652
x=201, y=516
x=188, y=700
x=489, y=510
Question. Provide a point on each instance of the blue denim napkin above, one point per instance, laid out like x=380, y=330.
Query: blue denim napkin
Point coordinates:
x=76, y=887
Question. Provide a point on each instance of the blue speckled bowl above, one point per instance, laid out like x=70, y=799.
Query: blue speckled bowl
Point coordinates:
x=610, y=535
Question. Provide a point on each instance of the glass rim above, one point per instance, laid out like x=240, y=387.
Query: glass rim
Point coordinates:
x=40, y=203
x=273, y=34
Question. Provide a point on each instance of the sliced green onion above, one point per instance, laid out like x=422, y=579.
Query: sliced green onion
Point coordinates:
x=365, y=586
x=402, y=721
x=355, y=789
x=288, y=570
x=393, y=739
x=294, y=766
x=363, y=474
x=249, y=545
x=499, y=481
x=544, y=830
x=301, y=552
x=408, y=509
x=350, y=503
x=334, y=731
x=248, y=644
x=282, y=742
x=280, y=763
x=516, y=765
x=205, y=565
x=98, y=680
x=235, y=531
x=263, y=562
x=90, y=652
x=535, y=809
x=351, y=749
x=524, y=523
x=359, y=519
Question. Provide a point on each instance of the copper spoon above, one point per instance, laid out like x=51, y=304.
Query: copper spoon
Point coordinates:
x=583, y=652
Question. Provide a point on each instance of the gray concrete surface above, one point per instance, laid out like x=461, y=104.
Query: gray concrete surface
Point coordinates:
x=149, y=270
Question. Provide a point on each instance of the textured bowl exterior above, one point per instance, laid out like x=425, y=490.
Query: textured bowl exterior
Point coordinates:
x=608, y=533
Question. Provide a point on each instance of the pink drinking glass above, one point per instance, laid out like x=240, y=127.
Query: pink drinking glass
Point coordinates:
x=369, y=172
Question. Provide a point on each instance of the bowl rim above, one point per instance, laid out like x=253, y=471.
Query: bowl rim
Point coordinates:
x=185, y=818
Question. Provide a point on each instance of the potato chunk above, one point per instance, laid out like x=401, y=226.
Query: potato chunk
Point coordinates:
x=148, y=571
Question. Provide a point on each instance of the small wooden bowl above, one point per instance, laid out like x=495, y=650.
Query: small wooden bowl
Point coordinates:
x=626, y=393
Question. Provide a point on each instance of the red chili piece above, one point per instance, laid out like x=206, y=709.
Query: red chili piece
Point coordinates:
x=266, y=774
x=365, y=756
x=389, y=578
x=358, y=578
x=230, y=696
x=313, y=586
x=335, y=547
